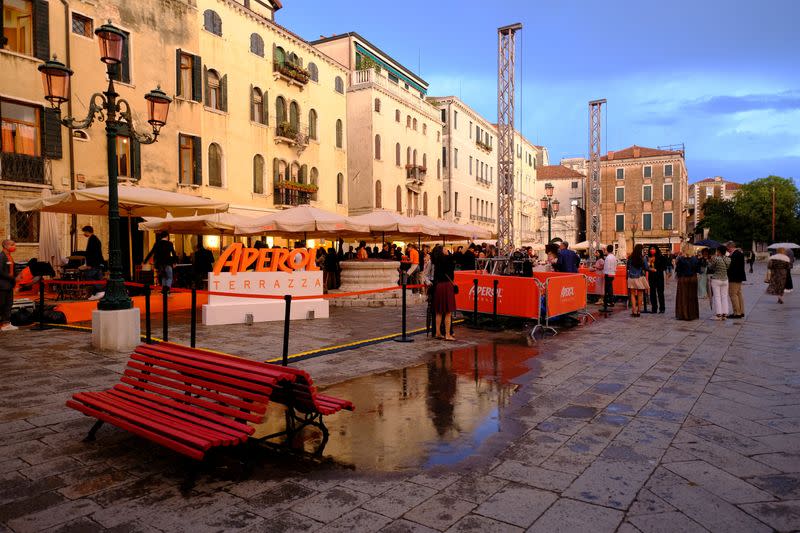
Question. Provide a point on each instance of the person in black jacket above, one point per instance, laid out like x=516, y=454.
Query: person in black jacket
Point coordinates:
x=203, y=263
x=657, y=265
x=164, y=254
x=95, y=264
x=736, y=276
x=7, y=282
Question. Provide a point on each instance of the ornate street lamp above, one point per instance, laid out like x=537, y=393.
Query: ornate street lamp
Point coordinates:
x=549, y=208
x=116, y=113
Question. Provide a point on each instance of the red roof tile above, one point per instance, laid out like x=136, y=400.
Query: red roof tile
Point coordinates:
x=553, y=172
x=635, y=152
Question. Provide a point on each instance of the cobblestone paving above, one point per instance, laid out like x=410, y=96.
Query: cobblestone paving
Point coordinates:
x=629, y=424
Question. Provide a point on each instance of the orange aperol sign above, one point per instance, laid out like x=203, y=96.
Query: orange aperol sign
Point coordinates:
x=565, y=293
x=237, y=258
x=516, y=296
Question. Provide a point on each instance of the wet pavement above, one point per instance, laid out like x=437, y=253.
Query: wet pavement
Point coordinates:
x=628, y=424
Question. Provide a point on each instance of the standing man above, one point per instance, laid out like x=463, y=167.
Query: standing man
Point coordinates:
x=568, y=261
x=7, y=282
x=736, y=276
x=165, y=257
x=609, y=271
x=751, y=259
x=657, y=266
x=95, y=264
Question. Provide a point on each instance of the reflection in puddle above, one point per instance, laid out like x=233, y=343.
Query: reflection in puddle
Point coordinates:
x=435, y=413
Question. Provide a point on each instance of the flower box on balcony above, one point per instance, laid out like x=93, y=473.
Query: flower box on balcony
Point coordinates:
x=292, y=72
x=297, y=186
x=483, y=145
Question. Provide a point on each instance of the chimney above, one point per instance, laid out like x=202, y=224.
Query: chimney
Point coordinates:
x=636, y=151
x=610, y=155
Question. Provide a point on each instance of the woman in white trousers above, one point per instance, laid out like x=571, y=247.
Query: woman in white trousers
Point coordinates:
x=718, y=272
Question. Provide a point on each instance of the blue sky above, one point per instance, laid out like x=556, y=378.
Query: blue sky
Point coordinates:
x=723, y=77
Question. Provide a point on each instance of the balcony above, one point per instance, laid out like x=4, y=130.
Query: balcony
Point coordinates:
x=291, y=134
x=22, y=168
x=290, y=73
x=483, y=146
x=416, y=173
x=364, y=79
x=413, y=212
x=292, y=194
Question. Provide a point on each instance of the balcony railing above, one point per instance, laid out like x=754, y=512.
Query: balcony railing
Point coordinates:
x=291, y=73
x=291, y=134
x=22, y=168
x=483, y=146
x=364, y=78
x=480, y=218
x=416, y=173
x=414, y=212
x=288, y=194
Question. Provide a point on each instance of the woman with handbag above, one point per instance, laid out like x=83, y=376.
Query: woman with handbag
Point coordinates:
x=637, y=282
x=718, y=271
x=444, y=296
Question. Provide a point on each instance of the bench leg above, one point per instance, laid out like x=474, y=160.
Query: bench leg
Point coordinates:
x=324, y=429
x=93, y=431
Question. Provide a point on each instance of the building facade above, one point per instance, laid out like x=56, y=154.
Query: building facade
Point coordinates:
x=569, y=189
x=469, y=186
x=643, y=195
x=259, y=116
x=528, y=157
x=699, y=192
x=394, y=134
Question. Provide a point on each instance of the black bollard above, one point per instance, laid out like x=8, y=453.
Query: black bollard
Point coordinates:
x=41, y=306
x=165, y=315
x=474, y=324
x=494, y=302
x=148, y=338
x=286, y=319
x=193, y=334
x=403, y=337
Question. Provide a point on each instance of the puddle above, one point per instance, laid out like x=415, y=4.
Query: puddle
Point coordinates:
x=436, y=413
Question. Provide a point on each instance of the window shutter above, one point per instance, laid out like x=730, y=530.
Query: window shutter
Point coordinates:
x=3, y=39
x=223, y=85
x=178, y=77
x=136, y=158
x=265, y=105
x=205, y=86
x=41, y=29
x=252, y=103
x=51, y=133
x=125, y=66
x=197, y=80
x=197, y=156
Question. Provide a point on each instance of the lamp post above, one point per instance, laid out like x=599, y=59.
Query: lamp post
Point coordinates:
x=116, y=112
x=549, y=208
x=634, y=227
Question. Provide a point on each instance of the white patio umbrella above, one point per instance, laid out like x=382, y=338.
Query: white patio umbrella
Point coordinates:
x=211, y=224
x=393, y=224
x=449, y=230
x=787, y=245
x=49, y=238
x=302, y=220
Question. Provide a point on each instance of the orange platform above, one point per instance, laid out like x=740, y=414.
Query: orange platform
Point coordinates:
x=81, y=311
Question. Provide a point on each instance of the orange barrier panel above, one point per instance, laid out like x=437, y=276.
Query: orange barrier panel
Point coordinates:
x=82, y=311
x=516, y=296
x=565, y=293
x=595, y=281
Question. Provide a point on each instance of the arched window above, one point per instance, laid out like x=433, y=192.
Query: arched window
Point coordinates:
x=280, y=110
x=313, y=72
x=377, y=147
x=377, y=105
x=212, y=22
x=293, y=59
x=414, y=122
x=414, y=158
x=425, y=161
x=213, y=90
x=338, y=85
x=302, y=175
x=279, y=56
x=294, y=116
x=338, y=133
x=314, y=181
x=339, y=188
x=397, y=154
x=276, y=170
x=258, y=112
x=214, y=165
x=257, y=44
x=425, y=203
x=294, y=172
x=378, y=195
x=424, y=129
x=258, y=174
x=312, y=124
x=438, y=169
x=408, y=121
x=399, y=199
x=397, y=115
x=439, y=206
x=408, y=156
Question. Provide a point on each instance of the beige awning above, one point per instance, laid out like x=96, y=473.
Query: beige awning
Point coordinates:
x=212, y=224
x=393, y=224
x=303, y=220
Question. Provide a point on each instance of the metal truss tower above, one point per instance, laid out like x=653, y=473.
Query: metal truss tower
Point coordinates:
x=506, y=60
x=595, y=147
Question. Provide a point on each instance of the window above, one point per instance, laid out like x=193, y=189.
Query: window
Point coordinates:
x=408, y=121
x=124, y=157
x=667, y=171
x=455, y=157
x=648, y=171
x=122, y=71
x=339, y=188
x=314, y=180
x=647, y=193
x=377, y=105
x=424, y=129
x=338, y=133
x=444, y=115
x=18, y=26
x=313, y=72
x=312, y=124
x=414, y=125
x=444, y=156
x=470, y=129
x=24, y=225
x=394, y=79
x=20, y=129
x=188, y=76
x=647, y=221
x=619, y=222
x=294, y=116
x=398, y=193
x=338, y=85
x=83, y=26
x=470, y=165
x=397, y=154
x=279, y=56
x=667, y=191
x=258, y=111
x=214, y=165
x=574, y=185
x=408, y=155
x=378, y=195
x=455, y=120
x=397, y=115
x=216, y=91
x=439, y=206
x=212, y=22
x=258, y=174
x=414, y=157
x=425, y=203
x=280, y=110
x=425, y=161
x=668, y=220
x=256, y=44
x=620, y=173
x=189, y=161
x=455, y=204
x=619, y=193
x=438, y=169
x=378, y=147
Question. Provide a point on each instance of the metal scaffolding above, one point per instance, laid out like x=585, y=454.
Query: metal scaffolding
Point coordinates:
x=595, y=147
x=506, y=60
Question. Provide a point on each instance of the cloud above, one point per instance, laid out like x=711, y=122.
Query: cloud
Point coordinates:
x=725, y=105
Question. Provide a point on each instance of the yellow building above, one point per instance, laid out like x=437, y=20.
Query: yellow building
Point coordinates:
x=259, y=117
x=527, y=211
x=394, y=135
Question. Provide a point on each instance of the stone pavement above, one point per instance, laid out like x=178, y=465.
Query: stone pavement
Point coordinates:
x=629, y=424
